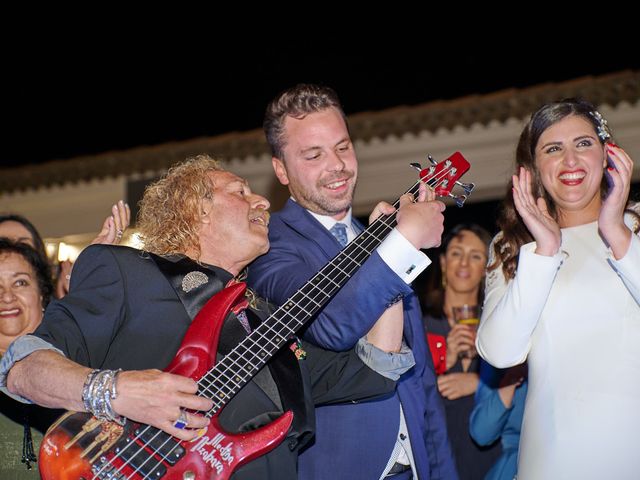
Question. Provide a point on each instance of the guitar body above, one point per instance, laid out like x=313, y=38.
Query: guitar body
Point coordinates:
x=78, y=446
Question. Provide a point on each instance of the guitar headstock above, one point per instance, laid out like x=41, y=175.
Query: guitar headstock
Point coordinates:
x=443, y=176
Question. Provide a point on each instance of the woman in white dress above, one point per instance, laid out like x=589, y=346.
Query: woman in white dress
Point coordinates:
x=563, y=292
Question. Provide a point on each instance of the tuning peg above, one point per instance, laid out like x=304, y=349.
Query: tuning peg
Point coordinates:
x=416, y=165
x=468, y=187
x=459, y=199
x=432, y=160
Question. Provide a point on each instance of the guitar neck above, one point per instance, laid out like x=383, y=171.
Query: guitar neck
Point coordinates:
x=233, y=371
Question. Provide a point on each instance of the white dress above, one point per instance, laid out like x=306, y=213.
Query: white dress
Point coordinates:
x=576, y=318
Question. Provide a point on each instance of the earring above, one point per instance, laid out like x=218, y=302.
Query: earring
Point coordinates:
x=444, y=281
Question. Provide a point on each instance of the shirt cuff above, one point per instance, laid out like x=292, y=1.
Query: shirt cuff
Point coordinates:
x=387, y=364
x=402, y=257
x=21, y=347
x=629, y=262
x=528, y=250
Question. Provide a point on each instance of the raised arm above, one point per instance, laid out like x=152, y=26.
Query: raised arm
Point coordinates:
x=512, y=308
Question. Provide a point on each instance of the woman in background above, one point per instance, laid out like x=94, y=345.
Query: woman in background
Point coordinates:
x=25, y=290
x=462, y=266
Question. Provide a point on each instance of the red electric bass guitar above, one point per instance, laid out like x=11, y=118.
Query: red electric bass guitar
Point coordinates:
x=79, y=446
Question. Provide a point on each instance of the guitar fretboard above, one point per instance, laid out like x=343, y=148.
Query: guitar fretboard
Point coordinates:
x=233, y=371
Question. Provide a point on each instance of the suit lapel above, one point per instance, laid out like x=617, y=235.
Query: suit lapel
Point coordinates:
x=305, y=225
x=193, y=283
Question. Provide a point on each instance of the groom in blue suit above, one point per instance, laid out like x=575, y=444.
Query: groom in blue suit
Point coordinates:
x=402, y=435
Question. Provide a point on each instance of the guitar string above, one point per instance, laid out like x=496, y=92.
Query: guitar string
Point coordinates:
x=381, y=221
x=369, y=234
x=299, y=293
x=356, y=244
x=260, y=336
x=384, y=219
x=292, y=303
x=296, y=315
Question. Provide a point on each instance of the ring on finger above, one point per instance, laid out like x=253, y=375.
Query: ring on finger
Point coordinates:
x=182, y=420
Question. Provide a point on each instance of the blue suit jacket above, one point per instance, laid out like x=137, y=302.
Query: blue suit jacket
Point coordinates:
x=355, y=440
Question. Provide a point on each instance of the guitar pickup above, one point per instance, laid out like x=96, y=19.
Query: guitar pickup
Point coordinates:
x=140, y=460
x=164, y=445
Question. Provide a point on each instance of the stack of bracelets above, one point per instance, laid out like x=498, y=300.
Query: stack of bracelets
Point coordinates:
x=98, y=391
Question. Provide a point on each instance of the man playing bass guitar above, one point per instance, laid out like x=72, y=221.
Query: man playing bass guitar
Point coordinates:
x=101, y=349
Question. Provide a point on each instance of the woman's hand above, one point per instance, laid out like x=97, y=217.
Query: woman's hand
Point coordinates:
x=111, y=234
x=114, y=225
x=461, y=338
x=535, y=215
x=456, y=385
x=611, y=219
x=510, y=381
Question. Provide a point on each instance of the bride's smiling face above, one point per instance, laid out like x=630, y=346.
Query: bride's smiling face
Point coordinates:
x=571, y=161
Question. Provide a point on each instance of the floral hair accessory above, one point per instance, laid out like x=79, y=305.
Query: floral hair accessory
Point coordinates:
x=602, y=128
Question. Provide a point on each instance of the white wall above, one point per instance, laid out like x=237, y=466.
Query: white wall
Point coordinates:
x=75, y=212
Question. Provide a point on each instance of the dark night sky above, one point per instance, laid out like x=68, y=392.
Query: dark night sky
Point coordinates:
x=63, y=102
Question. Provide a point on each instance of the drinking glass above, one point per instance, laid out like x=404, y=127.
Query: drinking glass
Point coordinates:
x=467, y=315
